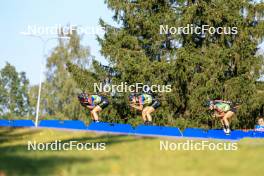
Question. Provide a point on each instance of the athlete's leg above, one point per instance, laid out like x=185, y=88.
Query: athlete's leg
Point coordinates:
x=226, y=119
x=144, y=114
x=223, y=124
x=221, y=116
x=95, y=111
x=149, y=111
x=92, y=117
x=152, y=108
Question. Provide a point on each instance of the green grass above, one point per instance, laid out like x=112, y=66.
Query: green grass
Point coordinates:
x=124, y=156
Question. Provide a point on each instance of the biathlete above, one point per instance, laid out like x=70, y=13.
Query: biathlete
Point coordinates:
x=224, y=111
x=145, y=103
x=94, y=103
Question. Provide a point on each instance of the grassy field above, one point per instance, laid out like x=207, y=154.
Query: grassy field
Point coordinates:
x=124, y=156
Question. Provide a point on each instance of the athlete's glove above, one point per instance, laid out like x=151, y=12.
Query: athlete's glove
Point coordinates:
x=84, y=104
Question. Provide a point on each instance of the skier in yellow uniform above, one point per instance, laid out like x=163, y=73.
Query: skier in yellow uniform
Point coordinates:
x=94, y=103
x=145, y=103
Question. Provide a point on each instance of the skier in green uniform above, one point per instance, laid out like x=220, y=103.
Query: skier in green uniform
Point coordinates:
x=224, y=111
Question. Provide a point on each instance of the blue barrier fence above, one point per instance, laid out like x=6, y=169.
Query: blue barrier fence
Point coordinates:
x=111, y=127
x=139, y=130
x=157, y=130
x=195, y=133
x=16, y=123
x=70, y=124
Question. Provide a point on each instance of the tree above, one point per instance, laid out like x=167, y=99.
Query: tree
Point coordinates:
x=59, y=93
x=228, y=64
x=14, y=93
x=204, y=66
x=198, y=66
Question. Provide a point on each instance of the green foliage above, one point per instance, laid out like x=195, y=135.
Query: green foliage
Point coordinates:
x=59, y=92
x=14, y=98
x=198, y=68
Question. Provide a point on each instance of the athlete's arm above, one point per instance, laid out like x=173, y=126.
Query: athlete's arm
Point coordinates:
x=87, y=106
x=138, y=107
x=90, y=107
x=218, y=114
x=140, y=103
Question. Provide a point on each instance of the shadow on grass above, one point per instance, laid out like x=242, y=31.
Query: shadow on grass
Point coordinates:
x=17, y=160
x=108, y=139
x=9, y=134
x=14, y=164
